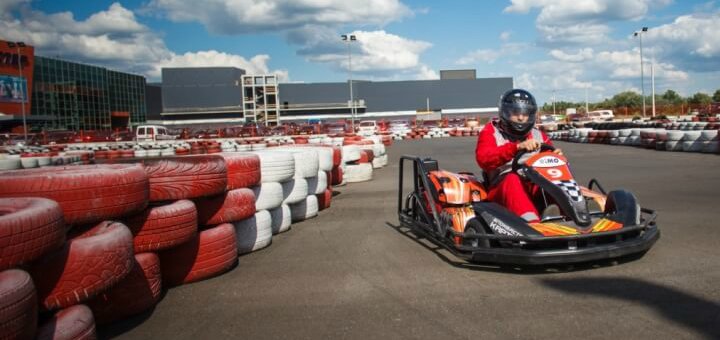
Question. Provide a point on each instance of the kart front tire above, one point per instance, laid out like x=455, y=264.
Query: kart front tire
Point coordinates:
x=475, y=227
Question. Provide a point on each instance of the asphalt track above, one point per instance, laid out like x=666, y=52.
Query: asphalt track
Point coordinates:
x=350, y=274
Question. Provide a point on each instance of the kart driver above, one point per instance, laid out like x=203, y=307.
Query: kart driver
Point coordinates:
x=497, y=145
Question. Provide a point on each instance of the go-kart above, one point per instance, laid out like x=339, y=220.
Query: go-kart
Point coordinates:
x=578, y=224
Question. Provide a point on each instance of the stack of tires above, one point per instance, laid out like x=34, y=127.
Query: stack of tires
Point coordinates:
x=357, y=164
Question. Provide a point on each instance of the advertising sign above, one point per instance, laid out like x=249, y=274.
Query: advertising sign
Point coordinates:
x=13, y=89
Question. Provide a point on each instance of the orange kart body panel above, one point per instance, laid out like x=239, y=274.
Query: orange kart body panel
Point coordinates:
x=456, y=189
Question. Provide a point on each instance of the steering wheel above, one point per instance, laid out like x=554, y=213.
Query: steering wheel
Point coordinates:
x=520, y=153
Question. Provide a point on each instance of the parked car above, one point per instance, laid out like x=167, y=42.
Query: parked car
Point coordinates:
x=152, y=133
x=399, y=126
x=367, y=127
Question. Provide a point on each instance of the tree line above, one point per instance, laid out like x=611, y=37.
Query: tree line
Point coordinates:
x=632, y=102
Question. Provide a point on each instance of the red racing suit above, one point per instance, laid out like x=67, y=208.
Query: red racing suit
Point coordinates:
x=494, y=154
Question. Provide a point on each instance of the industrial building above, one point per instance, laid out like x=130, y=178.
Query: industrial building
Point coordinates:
x=215, y=95
x=54, y=94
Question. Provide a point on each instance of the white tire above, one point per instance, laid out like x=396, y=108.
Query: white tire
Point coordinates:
x=153, y=153
x=354, y=173
x=304, y=209
x=317, y=184
x=673, y=145
x=350, y=153
x=243, y=147
x=254, y=233
x=614, y=133
x=44, y=161
x=692, y=146
x=268, y=195
x=10, y=162
x=708, y=135
x=258, y=146
x=167, y=152
x=307, y=163
x=691, y=136
x=294, y=190
x=379, y=162
x=276, y=166
x=675, y=135
x=624, y=133
x=325, y=157
x=141, y=153
x=29, y=162
x=280, y=219
x=711, y=147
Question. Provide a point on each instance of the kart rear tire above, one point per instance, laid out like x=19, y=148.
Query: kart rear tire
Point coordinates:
x=475, y=227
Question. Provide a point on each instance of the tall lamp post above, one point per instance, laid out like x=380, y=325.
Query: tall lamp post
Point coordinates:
x=348, y=38
x=642, y=68
x=23, y=89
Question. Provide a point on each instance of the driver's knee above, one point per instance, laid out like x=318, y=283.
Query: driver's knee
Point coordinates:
x=511, y=182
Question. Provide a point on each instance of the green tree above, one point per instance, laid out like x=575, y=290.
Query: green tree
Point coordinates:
x=700, y=98
x=628, y=99
x=716, y=96
x=672, y=97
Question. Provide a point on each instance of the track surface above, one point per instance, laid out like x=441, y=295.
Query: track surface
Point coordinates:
x=349, y=274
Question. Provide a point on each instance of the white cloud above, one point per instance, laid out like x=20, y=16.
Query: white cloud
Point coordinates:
x=582, y=55
x=489, y=56
x=242, y=16
x=505, y=36
x=581, y=22
x=690, y=40
x=113, y=38
x=255, y=65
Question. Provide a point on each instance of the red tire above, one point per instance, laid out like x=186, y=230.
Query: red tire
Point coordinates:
x=76, y=323
x=86, y=193
x=29, y=227
x=185, y=177
x=329, y=179
x=211, y=253
x=337, y=155
x=243, y=170
x=89, y=264
x=324, y=199
x=18, y=305
x=163, y=227
x=366, y=156
x=234, y=205
x=337, y=175
x=137, y=292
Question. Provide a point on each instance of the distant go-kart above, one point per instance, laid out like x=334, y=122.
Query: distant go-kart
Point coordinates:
x=579, y=224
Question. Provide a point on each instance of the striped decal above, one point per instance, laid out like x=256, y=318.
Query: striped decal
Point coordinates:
x=553, y=229
x=606, y=225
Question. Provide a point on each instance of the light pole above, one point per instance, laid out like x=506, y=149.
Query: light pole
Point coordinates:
x=348, y=38
x=642, y=68
x=23, y=91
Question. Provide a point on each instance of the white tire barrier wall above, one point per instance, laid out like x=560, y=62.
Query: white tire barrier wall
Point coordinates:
x=281, y=219
x=304, y=209
x=268, y=195
x=254, y=233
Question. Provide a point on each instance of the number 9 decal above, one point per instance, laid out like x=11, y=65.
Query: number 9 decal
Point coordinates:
x=555, y=173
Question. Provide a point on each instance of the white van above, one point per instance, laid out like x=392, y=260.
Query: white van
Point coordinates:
x=152, y=133
x=601, y=115
x=367, y=128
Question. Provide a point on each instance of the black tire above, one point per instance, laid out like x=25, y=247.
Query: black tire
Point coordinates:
x=475, y=227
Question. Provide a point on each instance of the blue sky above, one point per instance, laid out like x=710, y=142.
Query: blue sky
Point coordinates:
x=565, y=48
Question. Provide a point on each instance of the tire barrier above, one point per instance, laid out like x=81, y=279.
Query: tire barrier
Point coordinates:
x=233, y=205
x=254, y=233
x=90, y=263
x=700, y=137
x=72, y=323
x=18, y=305
x=268, y=195
x=163, y=227
x=29, y=228
x=305, y=209
x=243, y=170
x=208, y=254
x=280, y=219
x=182, y=216
x=139, y=291
x=86, y=193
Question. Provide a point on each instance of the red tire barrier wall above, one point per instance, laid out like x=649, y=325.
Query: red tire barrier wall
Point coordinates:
x=86, y=193
x=211, y=253
x=163, y=227
x=89, y=264
x=18, y=305
x=76, y=323
x=185, y=177
x=243, y=170
x=29, y=227
x=137, y=292
x=234, y=205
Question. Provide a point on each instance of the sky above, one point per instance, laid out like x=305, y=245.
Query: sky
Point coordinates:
x=557, y=49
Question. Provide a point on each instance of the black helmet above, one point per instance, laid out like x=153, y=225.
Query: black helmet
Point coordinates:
x=517, y=101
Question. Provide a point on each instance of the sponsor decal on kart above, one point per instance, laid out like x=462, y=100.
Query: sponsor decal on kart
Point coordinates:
x=499, y=227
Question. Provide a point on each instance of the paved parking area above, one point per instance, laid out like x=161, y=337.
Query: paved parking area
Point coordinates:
x=349, y=274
